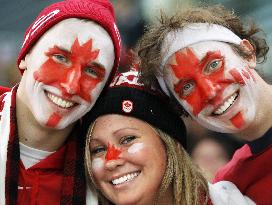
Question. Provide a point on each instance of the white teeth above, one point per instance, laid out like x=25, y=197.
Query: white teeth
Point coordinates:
x=125, y=178
x=226, y=104
x=60, y=102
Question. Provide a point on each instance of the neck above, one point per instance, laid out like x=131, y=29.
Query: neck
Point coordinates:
x=34, y=135
x=263, y=119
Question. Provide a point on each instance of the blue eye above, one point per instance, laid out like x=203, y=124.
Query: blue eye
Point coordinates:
x=60, y=58
x=213, y=66
x=91, y=72
x=98, y=150
x=127, y=139
x=187, y=88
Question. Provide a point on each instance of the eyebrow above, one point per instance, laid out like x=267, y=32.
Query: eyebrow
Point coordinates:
x=59, y=49
x=96, y=64
x=125, y=128
x=116, y=131
x=210, y=54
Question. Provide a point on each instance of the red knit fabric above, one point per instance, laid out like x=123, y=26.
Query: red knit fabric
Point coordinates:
x=3, y=90
x=42, y=180
x=100, y=11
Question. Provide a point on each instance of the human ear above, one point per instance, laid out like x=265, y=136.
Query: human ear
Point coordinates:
x=248, y=48
x=23, y=64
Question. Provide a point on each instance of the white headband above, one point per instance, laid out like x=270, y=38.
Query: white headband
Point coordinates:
x=191, y=34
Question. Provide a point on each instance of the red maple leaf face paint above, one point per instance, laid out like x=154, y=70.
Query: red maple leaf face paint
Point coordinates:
x=200, y=82
x=214, y=85
x=72, y=72
x=112, y=152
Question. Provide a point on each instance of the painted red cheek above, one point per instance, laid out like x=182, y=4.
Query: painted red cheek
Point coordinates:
x=237, y=76
x=247, y=72
x=112, y=152
x=87, y=86
x=53, y=120
x=238, y=120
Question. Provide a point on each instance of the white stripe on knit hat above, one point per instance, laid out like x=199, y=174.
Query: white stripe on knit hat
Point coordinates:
x=193, y=33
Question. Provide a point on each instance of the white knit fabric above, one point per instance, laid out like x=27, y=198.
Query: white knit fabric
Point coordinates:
x=4, y=130
x=226, y=193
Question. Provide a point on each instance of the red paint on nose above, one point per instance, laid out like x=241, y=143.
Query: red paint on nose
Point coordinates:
x=112, y=152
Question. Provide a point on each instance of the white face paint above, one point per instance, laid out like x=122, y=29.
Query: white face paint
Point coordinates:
x=135, y=148
x=97, y=164
x=66, y=71
x=214, y=84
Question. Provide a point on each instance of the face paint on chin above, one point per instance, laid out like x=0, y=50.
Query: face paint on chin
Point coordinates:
x=53, y=120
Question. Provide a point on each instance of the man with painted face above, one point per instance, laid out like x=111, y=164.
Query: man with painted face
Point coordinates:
x=67, y=56
x=206, y=61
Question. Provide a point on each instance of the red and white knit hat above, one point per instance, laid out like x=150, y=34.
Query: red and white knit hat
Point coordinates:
x=100, y=11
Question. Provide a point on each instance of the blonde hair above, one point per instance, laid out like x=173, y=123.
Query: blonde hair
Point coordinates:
x=189, y=185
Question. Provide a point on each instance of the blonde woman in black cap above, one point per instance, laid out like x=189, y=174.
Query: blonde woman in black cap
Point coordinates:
x=135, y=152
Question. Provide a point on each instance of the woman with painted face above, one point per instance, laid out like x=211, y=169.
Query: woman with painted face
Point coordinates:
x=205, y=58
x=135, y=152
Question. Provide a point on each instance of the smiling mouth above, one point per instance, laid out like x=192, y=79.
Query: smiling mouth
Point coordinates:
x=125, y=178
x=226, y=105
x=60, y=102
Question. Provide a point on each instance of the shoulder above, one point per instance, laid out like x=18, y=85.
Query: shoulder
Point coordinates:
x=4, y=89
x=226, y=193
x=239, y=156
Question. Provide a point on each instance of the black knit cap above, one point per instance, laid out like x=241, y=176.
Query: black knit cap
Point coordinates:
x=126, y=96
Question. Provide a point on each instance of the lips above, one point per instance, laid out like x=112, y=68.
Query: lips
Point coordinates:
x=60, y=102
x=125, y=178
x=226, y=104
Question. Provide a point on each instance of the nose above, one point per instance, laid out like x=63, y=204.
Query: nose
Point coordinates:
x=114, y=163
x=72, y=80
x=208, y=88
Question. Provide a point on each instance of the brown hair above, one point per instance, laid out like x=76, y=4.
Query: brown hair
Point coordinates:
x=149, y=46
x=189, y=185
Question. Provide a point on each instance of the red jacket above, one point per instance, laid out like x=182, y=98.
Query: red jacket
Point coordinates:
x=41, y=183
x=251, y=170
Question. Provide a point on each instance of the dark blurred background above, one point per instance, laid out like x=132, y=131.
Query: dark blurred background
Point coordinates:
x=132, y=16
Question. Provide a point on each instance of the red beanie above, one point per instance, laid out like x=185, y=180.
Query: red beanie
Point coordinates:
x=100, y=11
